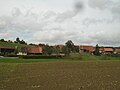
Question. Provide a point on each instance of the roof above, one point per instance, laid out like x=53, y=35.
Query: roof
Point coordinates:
x=108, y=49
x=7, y=47
x=89, y=48
x=35, y=49
x=60, y=46
x=117, y=50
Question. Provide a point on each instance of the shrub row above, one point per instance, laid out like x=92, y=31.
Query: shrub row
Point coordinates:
x=40, y=57
x=114, y=55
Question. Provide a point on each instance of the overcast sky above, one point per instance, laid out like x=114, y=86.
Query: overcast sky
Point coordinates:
x=88, y=22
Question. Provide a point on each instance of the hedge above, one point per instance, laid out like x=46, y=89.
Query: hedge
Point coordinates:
x=40, y=57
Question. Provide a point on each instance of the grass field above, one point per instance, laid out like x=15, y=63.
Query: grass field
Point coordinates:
x=71, y=57
x=11, y=44
x=18, y=60
x=64, y=75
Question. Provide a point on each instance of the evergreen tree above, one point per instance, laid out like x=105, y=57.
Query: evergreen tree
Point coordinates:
x=97, y=50
x=2, y=40
x=69, y=46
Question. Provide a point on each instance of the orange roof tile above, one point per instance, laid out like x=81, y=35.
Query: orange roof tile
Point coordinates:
x=35, y=49
x=89, y=48
x=108, y=49
x=117, y=50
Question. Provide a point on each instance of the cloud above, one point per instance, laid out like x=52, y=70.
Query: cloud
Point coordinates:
x=78, y=7
x=112, y=5
x=111, y=38
x=61, y=17
x=16, y=12
x=101, y=4
x=81, y=25
x=115, y=9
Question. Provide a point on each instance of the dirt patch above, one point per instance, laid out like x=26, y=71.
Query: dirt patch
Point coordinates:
x=103, y=75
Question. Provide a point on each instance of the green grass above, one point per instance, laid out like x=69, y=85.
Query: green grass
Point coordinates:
x=71, y=57
x=18, y=60
x=11, y=44
x=85, y=56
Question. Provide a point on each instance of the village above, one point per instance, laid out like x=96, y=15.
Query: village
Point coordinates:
x=57, y=49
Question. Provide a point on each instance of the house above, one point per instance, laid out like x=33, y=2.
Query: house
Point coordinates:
x=88, y=49
x=34, y=50
x=60, y=47
x=107, y=50
x=5, y=50
x=117, y=51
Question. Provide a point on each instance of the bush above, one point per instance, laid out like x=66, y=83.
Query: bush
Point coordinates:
x=105, y=57
x=74, y=56
x=114, y=55
x=40, y=57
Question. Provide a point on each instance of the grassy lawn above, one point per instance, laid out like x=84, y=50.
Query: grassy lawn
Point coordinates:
x=65, y=75
x=11, y=44
x=71, y=57
x=18, y=60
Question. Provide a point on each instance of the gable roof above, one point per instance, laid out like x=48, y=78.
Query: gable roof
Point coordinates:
x=35, y=49
x=108, y=49
x=7, y=47
x=89, y=48
x=117, y=50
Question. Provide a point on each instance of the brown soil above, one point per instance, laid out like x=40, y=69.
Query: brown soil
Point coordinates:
x=84, y=75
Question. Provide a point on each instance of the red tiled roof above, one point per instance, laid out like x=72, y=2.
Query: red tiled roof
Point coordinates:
x=89, y=48
x=108, y=49
x=7, y=47
x=35, y=49
x=117, y=50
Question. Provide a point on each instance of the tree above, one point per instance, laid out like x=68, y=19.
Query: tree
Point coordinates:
x=77, y=49
x=56, y=49
x=2, y=40
x=9, y=41
x=17, y=40
x=69, y=46
x=22, y=42
x=97, y=50
x=65, y=50
x=47, y=50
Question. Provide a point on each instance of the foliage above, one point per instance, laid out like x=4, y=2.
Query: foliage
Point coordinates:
x=11, y=44
x=20, y=41
x=2, y=40
x=69, y=47
x=97, y=50
x=47, y=50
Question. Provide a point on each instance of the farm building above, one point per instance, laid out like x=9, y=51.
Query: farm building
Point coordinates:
x=4, y=50
x=117, y=50
x=102, y=50
x=108, y=50
x=88, y=49
x=36, y=50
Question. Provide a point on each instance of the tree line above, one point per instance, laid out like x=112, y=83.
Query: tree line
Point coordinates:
x=68, y=48
x=18, y=41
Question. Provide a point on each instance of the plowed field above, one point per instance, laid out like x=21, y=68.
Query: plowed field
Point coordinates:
x=79, y=75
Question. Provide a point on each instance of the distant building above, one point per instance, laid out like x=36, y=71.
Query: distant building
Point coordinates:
x=88, y=49
x=107, y=50
x=102, y=50
x=117, y=51
x=5, y=50
x=60, y=47
x=36, y=50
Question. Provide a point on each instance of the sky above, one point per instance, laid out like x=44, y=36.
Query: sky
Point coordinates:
x=85, y=22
